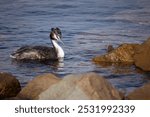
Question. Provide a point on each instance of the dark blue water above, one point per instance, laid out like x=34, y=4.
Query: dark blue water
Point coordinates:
x=88, y=27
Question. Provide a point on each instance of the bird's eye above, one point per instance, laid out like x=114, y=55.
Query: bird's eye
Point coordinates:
x=52, y=29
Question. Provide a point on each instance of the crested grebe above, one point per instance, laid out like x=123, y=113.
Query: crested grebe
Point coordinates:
x=42, y=52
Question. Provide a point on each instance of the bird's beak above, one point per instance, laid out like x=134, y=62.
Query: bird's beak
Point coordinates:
x=58, y=37
x=61, y=41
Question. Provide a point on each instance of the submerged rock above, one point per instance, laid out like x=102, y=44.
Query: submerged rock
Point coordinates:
x=142, y=93
x=142, y=56
x=9, y=86
x=81, y=86
x=123, y=53
x=37, y=85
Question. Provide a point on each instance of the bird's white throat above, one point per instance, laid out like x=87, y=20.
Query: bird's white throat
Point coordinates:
x=59, y=50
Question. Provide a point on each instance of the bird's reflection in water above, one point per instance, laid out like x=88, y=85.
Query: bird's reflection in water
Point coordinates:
x=54, y=65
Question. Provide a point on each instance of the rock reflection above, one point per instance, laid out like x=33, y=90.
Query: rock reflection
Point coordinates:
x=118, y=68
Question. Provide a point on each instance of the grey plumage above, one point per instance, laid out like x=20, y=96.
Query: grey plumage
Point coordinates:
x=35, y=53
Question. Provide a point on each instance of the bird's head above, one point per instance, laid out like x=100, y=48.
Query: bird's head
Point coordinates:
x=55, y=34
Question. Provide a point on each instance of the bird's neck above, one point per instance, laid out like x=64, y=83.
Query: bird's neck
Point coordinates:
x=59, y=50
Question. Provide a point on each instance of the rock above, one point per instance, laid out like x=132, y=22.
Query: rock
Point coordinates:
x=9, y=86
x=123, y=53
x=142, y=93
x=37, y=85
x=142, y=56
x=82, y=86
x=110, y=48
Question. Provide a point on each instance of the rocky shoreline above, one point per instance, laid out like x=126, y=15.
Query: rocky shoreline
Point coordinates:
x=133, y=54
x=86, y=86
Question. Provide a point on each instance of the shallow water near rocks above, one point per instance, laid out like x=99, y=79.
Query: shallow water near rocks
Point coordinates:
x=88, y=27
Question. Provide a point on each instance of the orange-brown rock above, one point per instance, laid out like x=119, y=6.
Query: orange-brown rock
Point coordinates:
x=123, y=53
x=9, y=86
x=37, y=85
x=142, y=93
x=81, y=86
x=142, y=56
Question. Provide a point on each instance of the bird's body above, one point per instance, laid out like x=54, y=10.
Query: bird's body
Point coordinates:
x=41, y=52
x=35, y=52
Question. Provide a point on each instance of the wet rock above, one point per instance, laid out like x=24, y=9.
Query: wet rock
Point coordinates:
x=82, y=86
x=142, y=56
x=9, y=86
x=110, y=48
x=142, y=93
x=123, y=53
x=37, y=85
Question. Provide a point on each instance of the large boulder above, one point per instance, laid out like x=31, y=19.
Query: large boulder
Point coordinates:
x=142, y=93
x=37, y=85
x=122, y=54
x=9, y=86
x=142, y=56
x=82, y=86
